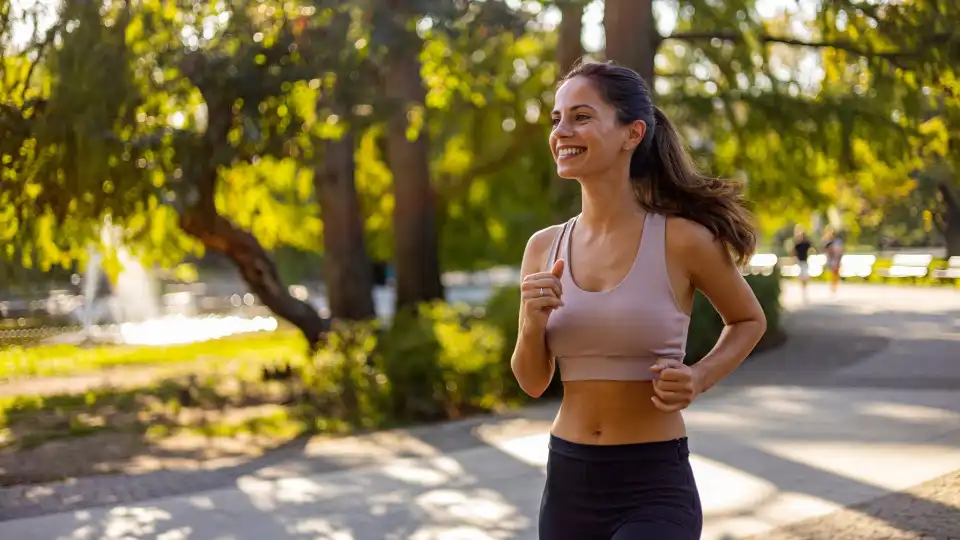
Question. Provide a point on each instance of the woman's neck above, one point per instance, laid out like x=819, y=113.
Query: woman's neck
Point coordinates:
x=607, y=203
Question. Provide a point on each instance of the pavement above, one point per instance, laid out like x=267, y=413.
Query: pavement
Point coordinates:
x=850, y=430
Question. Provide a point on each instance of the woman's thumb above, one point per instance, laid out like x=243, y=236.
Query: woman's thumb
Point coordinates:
x=557, y=270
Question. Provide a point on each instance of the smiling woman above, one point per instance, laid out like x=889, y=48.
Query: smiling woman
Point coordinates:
x=607, y=298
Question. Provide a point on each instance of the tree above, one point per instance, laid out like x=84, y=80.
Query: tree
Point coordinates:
x=155, y=153
x=726, y=74
x=415, y=208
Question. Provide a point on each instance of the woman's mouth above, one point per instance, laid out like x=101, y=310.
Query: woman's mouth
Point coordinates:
x=569, y=152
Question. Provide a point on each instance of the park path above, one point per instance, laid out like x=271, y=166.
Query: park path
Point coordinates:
x=851, y=430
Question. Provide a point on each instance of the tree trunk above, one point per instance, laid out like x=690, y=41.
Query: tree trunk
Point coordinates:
x=348, y=270
x=570, y=43
x=201, y=220
x=566, y=192
x=951, y=219
x=414, y=215
x=631, y=35
x=257, y=268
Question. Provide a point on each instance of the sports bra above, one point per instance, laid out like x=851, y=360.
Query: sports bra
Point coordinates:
x=619, y=333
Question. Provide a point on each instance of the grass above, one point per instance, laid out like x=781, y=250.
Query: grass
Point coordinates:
x=282, y=346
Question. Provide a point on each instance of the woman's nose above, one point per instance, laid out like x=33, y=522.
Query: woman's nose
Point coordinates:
x=563, y=129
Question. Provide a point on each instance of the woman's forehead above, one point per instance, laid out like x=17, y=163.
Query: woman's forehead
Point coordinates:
x=578, y=92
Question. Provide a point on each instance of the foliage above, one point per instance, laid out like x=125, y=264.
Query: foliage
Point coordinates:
x=834, y=109
x=442, y=361
x=706, y=324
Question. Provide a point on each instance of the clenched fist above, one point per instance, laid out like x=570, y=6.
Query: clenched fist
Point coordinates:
x=676, y=387
x=540, y=294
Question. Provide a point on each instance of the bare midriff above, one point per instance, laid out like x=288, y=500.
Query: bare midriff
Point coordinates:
x=614, y=412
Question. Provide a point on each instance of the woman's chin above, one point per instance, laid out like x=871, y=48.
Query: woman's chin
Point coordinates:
x=569, y=173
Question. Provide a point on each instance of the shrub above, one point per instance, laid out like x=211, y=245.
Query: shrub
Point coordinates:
x=706, y=324
x=437, y=362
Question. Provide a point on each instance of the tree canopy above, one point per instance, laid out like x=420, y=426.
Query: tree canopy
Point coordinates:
x=196, y=127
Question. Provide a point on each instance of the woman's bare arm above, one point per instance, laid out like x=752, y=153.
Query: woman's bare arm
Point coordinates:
x=712, y=270
x=532, y=363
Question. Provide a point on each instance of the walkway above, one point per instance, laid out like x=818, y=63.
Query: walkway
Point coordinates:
x=850, y=431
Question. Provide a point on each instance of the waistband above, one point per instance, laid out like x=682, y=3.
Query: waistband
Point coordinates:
x=659, y=450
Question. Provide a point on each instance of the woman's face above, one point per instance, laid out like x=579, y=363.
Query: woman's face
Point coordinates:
x=586, y=138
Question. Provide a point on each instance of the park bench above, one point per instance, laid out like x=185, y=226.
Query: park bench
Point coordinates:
x=908, y=265
x=952, y=271
x=815, y=263
x=762, y=263
x=857, y=265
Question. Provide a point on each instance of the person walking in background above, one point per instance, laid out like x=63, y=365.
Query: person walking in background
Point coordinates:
x=801, y=251
x=607, y=297
x=833, y=249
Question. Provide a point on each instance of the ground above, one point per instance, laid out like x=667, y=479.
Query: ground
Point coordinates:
x=851, y=430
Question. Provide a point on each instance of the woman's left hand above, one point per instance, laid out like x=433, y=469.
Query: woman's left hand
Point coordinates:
x=676, y=387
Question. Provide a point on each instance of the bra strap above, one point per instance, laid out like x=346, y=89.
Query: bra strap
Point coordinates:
x=555, y=246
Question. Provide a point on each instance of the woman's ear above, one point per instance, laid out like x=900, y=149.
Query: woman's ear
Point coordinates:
x=635, y=133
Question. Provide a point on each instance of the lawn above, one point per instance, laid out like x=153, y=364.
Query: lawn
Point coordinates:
x=61, y=360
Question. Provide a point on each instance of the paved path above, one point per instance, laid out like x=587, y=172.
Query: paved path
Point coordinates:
x=852, y=430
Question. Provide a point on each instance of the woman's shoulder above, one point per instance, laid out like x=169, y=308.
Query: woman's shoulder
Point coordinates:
x=683, y=233
x=541, y=240
x=539, y=244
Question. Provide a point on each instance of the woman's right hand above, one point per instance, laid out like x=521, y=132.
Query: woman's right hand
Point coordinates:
x=540, y=294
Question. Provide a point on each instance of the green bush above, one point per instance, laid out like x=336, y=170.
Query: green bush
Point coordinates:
x=706, y=324
x=441, y=361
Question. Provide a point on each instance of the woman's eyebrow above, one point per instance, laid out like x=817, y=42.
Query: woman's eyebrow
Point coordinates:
x=578, y=106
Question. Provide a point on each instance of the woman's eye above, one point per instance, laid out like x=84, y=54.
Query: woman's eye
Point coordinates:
x=581, y=117
x=554, y=121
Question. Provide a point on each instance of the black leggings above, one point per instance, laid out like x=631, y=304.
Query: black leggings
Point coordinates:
x=642, y=491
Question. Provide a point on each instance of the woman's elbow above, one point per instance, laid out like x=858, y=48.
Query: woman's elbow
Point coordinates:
x=531, y=385
x=758, y=325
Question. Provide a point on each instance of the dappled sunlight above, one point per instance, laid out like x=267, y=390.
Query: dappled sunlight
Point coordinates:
x=768, y=514
x=903, y=412
x=727, y=490
x=876, y=464
x=480, y=507
x=432, y=473
x=531, y=449
x=270, y=495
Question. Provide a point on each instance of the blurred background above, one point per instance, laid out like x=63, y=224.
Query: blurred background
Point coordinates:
x=250, y=220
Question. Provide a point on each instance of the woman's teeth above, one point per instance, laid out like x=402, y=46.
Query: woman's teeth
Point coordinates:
x=570, y=152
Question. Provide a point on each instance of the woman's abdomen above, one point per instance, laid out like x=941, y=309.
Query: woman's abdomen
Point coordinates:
x=614, y=412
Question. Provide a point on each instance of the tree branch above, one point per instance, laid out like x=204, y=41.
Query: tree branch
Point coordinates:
x=734, y=36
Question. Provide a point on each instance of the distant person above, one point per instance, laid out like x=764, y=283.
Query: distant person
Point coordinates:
x=606, y=298
x=833, y=249
x=802, y=247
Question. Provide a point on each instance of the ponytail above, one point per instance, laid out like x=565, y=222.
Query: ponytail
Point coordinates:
x=667, y=181
x=664, y=176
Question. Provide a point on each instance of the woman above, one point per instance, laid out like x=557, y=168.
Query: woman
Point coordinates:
x=833, y=248
x=608, y=296
x=801, y=252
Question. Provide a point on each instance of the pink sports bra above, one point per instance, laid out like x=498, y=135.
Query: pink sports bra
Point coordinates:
x=619, y=333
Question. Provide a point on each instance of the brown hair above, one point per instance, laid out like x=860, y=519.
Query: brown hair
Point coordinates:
x=665, y=177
